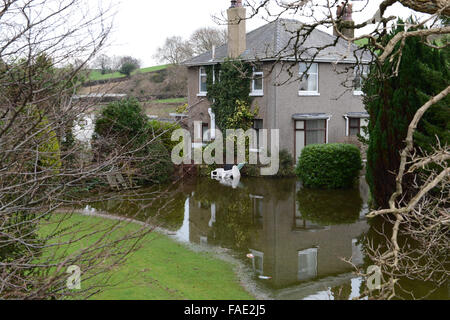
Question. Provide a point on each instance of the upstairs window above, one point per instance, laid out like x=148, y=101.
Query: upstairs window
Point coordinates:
x=202, y=81
x=361, y=73
x=309, y=74
x=257, y=82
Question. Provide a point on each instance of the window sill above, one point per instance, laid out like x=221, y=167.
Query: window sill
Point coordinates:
x=256, y=94
x=202, y=94
x=308, y=94
x=358, y=93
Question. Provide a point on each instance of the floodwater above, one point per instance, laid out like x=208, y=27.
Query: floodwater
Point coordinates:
x=292, y=239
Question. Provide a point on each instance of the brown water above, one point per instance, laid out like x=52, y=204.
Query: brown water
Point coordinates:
x=296, y=237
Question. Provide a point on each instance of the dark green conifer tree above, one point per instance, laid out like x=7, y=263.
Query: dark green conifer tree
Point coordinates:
x=392, y=102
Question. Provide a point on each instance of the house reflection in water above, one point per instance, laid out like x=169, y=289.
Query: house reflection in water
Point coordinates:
x=295, y=235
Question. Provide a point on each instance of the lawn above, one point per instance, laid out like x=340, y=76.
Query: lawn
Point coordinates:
x=163, y=269
x=97, y=75
x=172, y=100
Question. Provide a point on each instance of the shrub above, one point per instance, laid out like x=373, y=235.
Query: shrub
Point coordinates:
x=124, y=120
x=164, y=132
x=157, y=166
x=331, y=166
x=330, y=207
x=287, y=164
x=123, y=126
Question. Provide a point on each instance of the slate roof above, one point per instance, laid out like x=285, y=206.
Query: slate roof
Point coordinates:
x=275, y=41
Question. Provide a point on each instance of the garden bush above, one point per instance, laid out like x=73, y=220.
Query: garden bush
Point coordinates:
x=124, y=128
x=287, y=164
x=329, y=166
x=124, y=120
x=164, y=132
x=330, y=207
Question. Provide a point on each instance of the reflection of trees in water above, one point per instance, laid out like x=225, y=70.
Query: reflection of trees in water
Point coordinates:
x=165, y=208
x=342, y=292
x=410, y=286
x=234, y=221
x=330, y=207
x=234, y=224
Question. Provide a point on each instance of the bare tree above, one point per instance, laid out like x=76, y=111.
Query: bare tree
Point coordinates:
x=44, y=171
x=104, y=63
x=204, y=39
x=174, y=51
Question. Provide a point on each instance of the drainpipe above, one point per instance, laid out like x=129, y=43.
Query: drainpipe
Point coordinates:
x=346, y=126
x=328, y=128
x=213, y=215
x=213, y=124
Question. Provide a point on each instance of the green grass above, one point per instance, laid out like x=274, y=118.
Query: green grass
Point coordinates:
x=161, y=269
x=97, y=75
x=362, y=42
x=172, y=100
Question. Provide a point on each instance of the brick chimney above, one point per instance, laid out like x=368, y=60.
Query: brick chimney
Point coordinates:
x=345, y=20
x=237, y=40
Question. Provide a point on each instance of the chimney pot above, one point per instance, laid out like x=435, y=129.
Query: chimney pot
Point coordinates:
x=236, y=3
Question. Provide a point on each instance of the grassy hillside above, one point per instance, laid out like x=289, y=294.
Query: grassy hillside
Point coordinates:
x=362, y=42
x=97, y=75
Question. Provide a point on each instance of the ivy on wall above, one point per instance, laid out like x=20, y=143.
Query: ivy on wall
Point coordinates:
x=229, y=92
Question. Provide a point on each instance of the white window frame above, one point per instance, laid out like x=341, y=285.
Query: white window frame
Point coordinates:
x=200, y=75
x=257, y=92
x=304, y=128
x=361, y=126
x=311, y=272
x=306, y=92
x=260, y=255
x=364, y=74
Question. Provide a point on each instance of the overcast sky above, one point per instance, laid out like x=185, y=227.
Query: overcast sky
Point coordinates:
x=141, y=26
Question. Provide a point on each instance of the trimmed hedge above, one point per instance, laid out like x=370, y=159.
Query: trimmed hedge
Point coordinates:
x=329, y=166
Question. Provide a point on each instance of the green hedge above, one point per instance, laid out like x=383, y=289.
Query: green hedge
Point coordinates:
x=164, y=131
x=330, y=207
x=330, y=166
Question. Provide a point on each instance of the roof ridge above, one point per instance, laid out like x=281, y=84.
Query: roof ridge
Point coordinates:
x=261, y=38
x=277, y=38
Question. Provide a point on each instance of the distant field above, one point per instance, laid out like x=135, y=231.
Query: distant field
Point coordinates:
x=362, y=42
x=97, y=75
x=172, y=100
